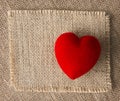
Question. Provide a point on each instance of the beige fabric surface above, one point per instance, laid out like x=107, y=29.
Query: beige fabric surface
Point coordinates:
x=7, y=93
x=33, y=65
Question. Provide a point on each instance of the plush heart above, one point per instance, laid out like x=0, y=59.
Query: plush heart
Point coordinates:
x=76, y=56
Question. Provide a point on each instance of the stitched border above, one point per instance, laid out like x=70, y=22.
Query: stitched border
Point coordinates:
x=107, y=29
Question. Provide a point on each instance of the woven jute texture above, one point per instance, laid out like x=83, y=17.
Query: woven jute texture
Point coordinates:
x=33, y=65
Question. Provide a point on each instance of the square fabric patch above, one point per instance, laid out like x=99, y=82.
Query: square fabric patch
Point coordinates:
x=32, y=35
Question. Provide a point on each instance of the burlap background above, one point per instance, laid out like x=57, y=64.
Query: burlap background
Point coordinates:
x=112, y=7
x=33, y=65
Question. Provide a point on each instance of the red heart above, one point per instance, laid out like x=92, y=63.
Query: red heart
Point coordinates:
x=76, y=56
